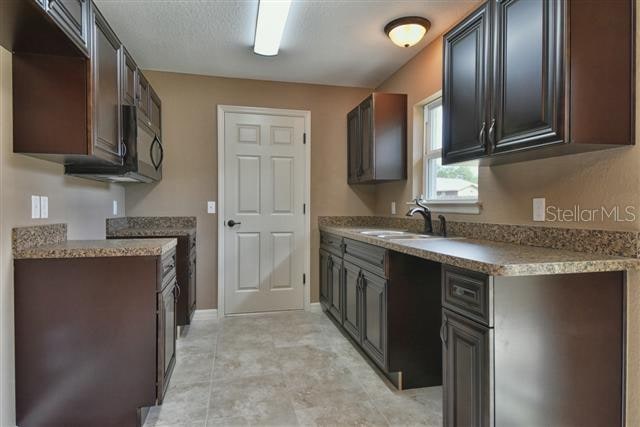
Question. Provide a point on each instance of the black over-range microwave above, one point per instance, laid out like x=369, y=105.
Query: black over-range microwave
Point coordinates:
x=143, y=156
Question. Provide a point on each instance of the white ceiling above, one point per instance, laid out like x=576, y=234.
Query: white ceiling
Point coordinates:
x=336, y=42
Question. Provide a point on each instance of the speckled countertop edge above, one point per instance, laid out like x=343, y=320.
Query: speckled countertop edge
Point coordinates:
x=567, y=261
x=98, y=249
x=151, y=232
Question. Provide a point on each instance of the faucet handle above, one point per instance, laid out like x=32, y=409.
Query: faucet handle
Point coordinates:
x=421, y=202
x=443, y=225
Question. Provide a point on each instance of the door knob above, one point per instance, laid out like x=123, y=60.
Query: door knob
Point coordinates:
x=232, y=223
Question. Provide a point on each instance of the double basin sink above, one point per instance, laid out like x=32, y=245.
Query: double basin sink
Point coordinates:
x=399, y=235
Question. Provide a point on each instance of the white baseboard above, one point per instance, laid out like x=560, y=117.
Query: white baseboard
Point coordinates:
x=314, y=307
x=210, y=314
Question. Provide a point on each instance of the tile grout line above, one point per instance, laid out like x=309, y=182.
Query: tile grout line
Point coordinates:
x=213, y=364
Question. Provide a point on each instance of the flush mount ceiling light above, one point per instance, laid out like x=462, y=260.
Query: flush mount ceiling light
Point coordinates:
x=407, y=31
x=272, y=17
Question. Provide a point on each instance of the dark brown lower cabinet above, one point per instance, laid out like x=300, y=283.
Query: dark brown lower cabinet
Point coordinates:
x=374, y=317
x=185, y=268
x=543, y=350
x=94, y=339
x=390, y=305
x=352, y=306
x=335, y=277
x=324, y=279
x=466, y=371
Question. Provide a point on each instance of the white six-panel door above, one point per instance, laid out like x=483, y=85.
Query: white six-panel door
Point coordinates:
x=264, y=186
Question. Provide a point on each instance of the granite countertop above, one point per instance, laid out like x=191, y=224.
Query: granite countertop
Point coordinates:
x=97, y=248
x=494, y=258
x=152, y=232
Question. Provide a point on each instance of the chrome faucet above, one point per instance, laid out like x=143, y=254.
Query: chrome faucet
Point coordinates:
x=423, y=210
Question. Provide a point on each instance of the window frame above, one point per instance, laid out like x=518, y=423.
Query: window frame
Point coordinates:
x=470, y=205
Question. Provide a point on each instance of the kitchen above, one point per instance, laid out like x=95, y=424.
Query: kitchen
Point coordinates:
x=320, y=89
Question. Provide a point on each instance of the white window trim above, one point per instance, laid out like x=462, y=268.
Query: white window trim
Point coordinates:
x=460, y=205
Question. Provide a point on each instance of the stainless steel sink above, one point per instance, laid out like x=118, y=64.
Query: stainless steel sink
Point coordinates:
x=397, y=235
x=380, y=233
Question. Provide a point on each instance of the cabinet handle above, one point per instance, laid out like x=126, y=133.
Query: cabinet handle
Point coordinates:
x=463, y=292
x=443, y=331
x=492, y=131
x=481, y=135
x=177, y=290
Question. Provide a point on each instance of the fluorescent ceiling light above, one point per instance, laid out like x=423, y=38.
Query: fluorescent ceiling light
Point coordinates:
x=272, y=17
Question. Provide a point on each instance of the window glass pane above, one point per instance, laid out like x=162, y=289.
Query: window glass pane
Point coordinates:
x=458, y=181
x=435, y=126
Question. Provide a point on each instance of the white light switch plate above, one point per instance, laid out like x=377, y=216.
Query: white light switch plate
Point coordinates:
x=44, y=207
x=539, y=209
x=393, y=208
x=115, y=207
x=211, y=207
x=35, y=207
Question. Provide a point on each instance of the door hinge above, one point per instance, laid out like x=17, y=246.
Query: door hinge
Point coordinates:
x=304, y=138
x=304, y=279
x=304, y=209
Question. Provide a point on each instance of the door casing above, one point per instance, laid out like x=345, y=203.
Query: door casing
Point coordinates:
x=222, y=110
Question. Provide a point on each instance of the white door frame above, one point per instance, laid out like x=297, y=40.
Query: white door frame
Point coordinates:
x=222, y=109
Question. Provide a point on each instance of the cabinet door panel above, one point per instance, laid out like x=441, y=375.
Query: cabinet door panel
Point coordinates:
x=324, y=279
x=366, y=140
x=335, y=273
x=466, y=371
x=155, y=112
x=527, y=98
x=143, y=95
x=352, y=301
x=129, y=72
x=106, y=93
x=374, y=317
x=466, y=53
x=353, y=145
x=192, y=288
x=73, y=17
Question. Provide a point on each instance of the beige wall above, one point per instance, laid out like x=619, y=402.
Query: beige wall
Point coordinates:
x=189, y=105
x=590, y=180
x=82, y=204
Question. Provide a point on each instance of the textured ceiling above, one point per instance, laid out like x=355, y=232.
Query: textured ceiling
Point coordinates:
x=325, y=42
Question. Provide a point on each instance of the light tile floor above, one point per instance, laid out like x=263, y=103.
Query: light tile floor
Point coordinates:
x=283, y=369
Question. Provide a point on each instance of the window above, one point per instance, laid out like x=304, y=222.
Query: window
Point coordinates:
x=458, y=182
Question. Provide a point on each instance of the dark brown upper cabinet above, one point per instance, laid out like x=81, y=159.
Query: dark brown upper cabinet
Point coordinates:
x=546, y=90
x=155, y=111
x=129, y=78
x=353, y=144
x=466, y=66
x=73, y=17
x=143, y=95
x=106, y=90
x=377, y=139
x=71, y=77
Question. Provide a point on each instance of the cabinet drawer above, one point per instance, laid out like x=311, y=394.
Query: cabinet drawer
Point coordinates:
x=369, y=257
x=331, y=243
x=468, y=293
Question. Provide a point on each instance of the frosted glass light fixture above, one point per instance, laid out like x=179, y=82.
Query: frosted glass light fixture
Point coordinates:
x=272, y=17
x=407, y=31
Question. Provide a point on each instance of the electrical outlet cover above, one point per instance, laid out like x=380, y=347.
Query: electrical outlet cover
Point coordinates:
x=44, y=207
x=35, y=207
x=539, y=209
